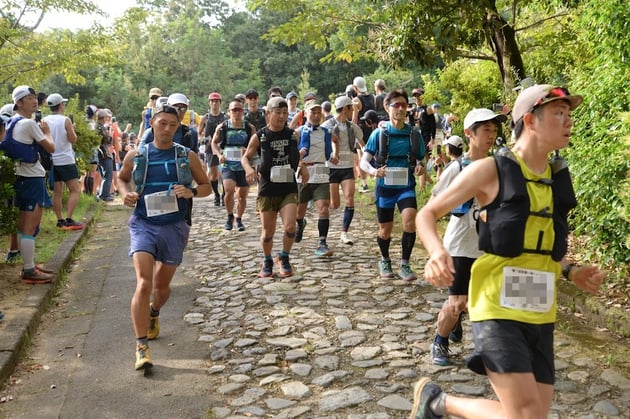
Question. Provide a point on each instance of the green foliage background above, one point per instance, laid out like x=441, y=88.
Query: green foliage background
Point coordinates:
x=8, y=213
x=600, y=153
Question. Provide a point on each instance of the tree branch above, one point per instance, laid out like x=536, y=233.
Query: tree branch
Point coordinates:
x=474, y=56
x=540, y=22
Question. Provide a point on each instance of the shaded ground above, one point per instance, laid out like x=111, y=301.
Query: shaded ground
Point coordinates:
x=12, y=290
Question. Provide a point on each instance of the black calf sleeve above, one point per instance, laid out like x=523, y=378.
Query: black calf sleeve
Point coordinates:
x=408, y=241
x=383, y=244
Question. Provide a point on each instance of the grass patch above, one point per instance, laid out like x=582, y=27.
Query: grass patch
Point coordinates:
x=50, y=237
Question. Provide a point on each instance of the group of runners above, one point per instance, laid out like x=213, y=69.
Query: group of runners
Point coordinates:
x=502, y=253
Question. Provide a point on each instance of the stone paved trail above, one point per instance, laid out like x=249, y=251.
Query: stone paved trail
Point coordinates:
x=336, y=341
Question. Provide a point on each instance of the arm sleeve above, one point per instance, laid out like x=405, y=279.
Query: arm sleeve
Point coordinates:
x=365, y=165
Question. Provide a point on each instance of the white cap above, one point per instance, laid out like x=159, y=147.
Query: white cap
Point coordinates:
x=342, y=102
x=455, y=141
x=55, y=99
x=541, y=94
x=482, y=115
x=177, y=98
x=7, y=110
x=21, y=92
x=360, y=84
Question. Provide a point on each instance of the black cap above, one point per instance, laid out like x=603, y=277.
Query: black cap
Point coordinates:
x=310, y=96
x=251, y=92
x=371, y=116
x=418, y=91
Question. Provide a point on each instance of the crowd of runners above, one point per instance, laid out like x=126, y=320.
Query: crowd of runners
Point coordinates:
x=500, y=257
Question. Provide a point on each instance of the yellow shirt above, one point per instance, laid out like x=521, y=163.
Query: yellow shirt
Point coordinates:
x=520, y=288
x=188, y=120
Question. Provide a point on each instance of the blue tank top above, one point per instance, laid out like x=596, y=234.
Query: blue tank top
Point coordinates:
x=156, y=173
x=235, y=138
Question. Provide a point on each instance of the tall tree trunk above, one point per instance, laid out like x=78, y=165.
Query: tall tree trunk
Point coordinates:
x=502, y=41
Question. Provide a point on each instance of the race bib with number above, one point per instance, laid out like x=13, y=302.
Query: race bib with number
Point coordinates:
x=346, y=158
x=233, y=154
x=282, y=174
x=526, y=289
x=160, y=203
x=396, y=176
x=318, y=173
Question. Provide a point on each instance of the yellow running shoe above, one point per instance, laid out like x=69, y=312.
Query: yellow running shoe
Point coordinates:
x=143, y=357
x=154, y=328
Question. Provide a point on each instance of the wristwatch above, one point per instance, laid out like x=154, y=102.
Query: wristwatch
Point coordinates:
x=567, y=269
x=194, y=191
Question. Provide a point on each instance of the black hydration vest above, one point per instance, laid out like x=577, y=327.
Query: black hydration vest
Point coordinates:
x=415, y=146
x=257, y=118
x=503, y=231
x=212, y=122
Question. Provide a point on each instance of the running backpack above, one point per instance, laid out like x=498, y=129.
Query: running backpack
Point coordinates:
x=227, y=126
x=141, y=163
x=305, y=139
x=416, y=145
x=212, y=122
x=257, y=119
x=466, y=206
x=16, y=150
x=352, y=141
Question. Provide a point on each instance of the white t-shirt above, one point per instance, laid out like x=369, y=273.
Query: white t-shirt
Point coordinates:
x=316, y=158
x=460, y=237
x=63, y=154
x=27, y=131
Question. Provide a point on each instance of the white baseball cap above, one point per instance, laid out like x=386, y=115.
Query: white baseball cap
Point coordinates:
x=482, y=115
x=360, y=84
x=177, y=98
x=7, y=110
x=21, y=92
x=455, y=141
x=342, y=102
x=55, y=99
x=541, y=94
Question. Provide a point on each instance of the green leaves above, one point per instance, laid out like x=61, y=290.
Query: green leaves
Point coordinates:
x=600, y=155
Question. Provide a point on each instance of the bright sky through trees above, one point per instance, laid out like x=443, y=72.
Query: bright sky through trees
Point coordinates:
x=73, y=21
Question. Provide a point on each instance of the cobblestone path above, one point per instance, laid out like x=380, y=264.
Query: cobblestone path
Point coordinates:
x=335, y=340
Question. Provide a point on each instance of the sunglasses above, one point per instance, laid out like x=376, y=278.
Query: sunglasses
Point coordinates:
x=181, y=108
x=555, y=93
x=154, y=97
x=237, y=110
x=398, y=105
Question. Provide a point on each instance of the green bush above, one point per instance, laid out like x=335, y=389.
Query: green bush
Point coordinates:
x=599, y=157
x=8, y=213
